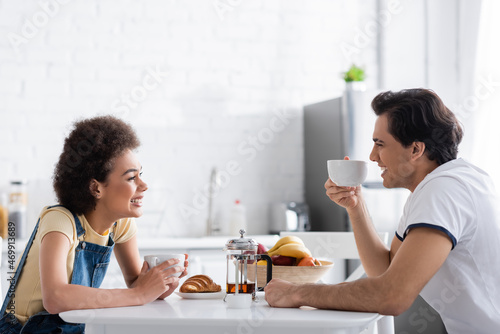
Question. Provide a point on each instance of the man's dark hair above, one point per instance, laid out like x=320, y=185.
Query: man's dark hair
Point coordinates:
x=420, y=115
x=89, y=153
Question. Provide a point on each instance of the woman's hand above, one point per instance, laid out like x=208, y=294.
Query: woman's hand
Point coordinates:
x=347, y=197
x=186, y=264
x=174, y=286
x=157, y=281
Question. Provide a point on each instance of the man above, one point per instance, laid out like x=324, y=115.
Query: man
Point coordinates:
x=447, y=245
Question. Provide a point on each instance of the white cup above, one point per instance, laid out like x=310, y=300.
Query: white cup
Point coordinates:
x=154, y=260
x=347, y=173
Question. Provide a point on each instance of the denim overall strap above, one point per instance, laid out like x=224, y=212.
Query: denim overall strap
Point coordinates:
x=91, y=260
x=79, y=228
x=89, y=268
x=13, y=280
x=5, y=319
x=20, y=265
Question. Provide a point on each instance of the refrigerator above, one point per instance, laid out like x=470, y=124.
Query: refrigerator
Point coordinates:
x=333, y=129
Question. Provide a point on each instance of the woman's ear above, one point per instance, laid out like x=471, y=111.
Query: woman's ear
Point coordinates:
x=95, y=188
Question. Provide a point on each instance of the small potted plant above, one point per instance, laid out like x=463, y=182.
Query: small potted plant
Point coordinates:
x=354, y=78
x=355, y=73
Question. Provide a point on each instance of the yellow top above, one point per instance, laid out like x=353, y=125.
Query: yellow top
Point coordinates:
x=28, y=294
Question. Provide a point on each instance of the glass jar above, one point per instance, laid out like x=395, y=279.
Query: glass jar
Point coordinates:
x=4, y=215
x=18, y=200
x=241, y=266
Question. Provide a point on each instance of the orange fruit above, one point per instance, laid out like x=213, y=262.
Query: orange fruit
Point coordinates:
x=307, y=261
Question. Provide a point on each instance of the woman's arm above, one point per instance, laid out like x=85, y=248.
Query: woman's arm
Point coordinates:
x=127, y=255
x=58, y=295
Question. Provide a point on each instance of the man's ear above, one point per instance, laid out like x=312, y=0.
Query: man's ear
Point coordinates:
x=418, y=149
x=95, y=188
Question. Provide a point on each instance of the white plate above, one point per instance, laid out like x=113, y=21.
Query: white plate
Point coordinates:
x=202, y=295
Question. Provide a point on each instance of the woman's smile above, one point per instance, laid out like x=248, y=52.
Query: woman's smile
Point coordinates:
x=137, y=201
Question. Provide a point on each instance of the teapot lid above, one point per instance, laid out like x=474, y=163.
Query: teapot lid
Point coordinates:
x=241, y=243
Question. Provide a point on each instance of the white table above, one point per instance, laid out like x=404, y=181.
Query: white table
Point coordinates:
x=177, y=315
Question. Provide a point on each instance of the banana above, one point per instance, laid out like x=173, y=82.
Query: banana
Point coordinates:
x=261, y=262
x=289, y=239
x=293, y=250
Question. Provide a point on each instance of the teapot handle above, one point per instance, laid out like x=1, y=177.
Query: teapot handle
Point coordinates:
x=269, y=271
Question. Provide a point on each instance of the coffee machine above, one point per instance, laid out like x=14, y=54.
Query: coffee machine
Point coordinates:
x=289, y=216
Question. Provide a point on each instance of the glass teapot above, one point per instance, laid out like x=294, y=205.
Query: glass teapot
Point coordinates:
x=241, y=272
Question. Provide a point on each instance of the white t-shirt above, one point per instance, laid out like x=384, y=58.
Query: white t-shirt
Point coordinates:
x=459, y=199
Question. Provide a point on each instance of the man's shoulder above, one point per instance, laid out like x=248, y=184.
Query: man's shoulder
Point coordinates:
x=457, y=172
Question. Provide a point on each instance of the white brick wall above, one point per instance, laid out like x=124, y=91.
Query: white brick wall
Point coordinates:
x=223, y=77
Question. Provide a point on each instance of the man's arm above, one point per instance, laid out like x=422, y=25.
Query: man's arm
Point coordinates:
x=417, y=260
x=374, y=254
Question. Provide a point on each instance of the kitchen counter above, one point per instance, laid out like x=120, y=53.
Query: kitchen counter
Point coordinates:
x=211, y=316
x=211, y=242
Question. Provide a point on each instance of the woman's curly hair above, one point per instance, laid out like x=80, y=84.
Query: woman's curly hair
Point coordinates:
x=89, y=153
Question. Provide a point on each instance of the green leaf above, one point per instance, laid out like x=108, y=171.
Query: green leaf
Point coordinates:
x=354, y=73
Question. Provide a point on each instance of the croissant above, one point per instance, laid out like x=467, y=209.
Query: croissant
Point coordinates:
x=199, y=283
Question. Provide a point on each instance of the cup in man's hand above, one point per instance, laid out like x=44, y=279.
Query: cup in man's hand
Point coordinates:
x=347, y=173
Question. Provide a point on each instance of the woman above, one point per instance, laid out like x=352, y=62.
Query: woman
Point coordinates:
x=99, y=187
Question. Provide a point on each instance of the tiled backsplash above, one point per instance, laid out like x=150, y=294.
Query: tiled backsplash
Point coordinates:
x=205, y=83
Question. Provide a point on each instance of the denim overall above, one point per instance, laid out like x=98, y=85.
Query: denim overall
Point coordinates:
x=89, y=269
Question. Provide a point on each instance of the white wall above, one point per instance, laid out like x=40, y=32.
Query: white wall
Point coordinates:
x=433, y=44
x=225, y=73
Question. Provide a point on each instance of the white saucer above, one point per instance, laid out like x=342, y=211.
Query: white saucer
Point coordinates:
x=201, y=295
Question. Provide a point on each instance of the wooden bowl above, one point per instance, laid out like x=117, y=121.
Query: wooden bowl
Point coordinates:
x=294, y=274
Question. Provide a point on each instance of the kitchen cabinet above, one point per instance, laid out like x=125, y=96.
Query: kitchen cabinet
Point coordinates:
x=211, y=263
